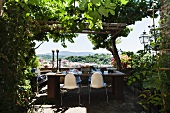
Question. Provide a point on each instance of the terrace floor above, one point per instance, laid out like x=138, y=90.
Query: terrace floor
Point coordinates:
x=98, y=102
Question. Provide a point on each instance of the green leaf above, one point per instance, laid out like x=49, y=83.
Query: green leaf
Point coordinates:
x=124, y=1
x=22, y=4
x=95, y=2
x=83, y=4
x=109, y=5
x=134, y=79
x=157, y=98
x=103, y=11
x=138, y=76
x=106, y=3
x=112, y=12
x=89, y=5
x=27, y=14
x=34, y=2
x=142, y=95
x=95, y=15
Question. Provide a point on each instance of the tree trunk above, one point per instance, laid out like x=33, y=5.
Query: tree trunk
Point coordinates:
x=115, y=53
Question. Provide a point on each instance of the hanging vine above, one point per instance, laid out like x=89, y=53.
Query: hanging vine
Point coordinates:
x=25, y=21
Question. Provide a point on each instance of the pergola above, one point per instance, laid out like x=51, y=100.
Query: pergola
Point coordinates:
x=107, y=28
x=112, y=29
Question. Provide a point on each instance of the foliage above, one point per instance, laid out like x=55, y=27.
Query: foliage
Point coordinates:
x=34, y=62
x=96, y=58
x=150, y=78
x=24, y=95
x=141, y=63
x=127, y=13
x=145, y=78
x=23, y=22
x=16, y=53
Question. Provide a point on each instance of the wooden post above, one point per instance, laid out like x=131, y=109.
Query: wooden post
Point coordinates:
x=53, y=60
x=57, y=51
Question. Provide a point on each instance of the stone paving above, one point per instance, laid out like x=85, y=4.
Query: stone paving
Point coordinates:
x=98, y=103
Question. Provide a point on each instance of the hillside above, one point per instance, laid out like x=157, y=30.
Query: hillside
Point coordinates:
x=79, y=57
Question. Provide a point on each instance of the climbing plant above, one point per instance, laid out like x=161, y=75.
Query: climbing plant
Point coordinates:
x=158, y=83
x=155, y=81
x=24, y=21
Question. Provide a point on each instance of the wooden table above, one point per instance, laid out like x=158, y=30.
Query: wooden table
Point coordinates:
x=117, y=84
x=45, y=71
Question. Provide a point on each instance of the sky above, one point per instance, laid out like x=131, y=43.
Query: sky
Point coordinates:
x=82, y=44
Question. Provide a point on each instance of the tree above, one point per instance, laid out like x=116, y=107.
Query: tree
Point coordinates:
x=127, y=13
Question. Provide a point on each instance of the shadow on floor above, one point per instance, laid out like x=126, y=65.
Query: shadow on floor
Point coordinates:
x=98, y=103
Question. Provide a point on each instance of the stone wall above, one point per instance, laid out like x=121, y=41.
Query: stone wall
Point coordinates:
x=165, y=17
x=165, y=27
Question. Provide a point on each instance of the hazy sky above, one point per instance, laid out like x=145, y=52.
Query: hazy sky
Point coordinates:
x=82, y=44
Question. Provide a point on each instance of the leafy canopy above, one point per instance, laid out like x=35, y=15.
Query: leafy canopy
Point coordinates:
x=72, y=16
x=129, y=13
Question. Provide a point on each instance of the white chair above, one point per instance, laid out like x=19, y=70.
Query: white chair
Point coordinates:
x=78, y=78
x=97, y=82
x=69, y=84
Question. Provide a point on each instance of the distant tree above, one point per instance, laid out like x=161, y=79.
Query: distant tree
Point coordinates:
x=97, y=58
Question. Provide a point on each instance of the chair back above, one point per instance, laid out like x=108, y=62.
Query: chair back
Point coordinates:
x=70, y=81
x=97, y=80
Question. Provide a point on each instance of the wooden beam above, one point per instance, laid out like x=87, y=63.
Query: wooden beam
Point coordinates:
x=108, y=28
x=95, y=32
